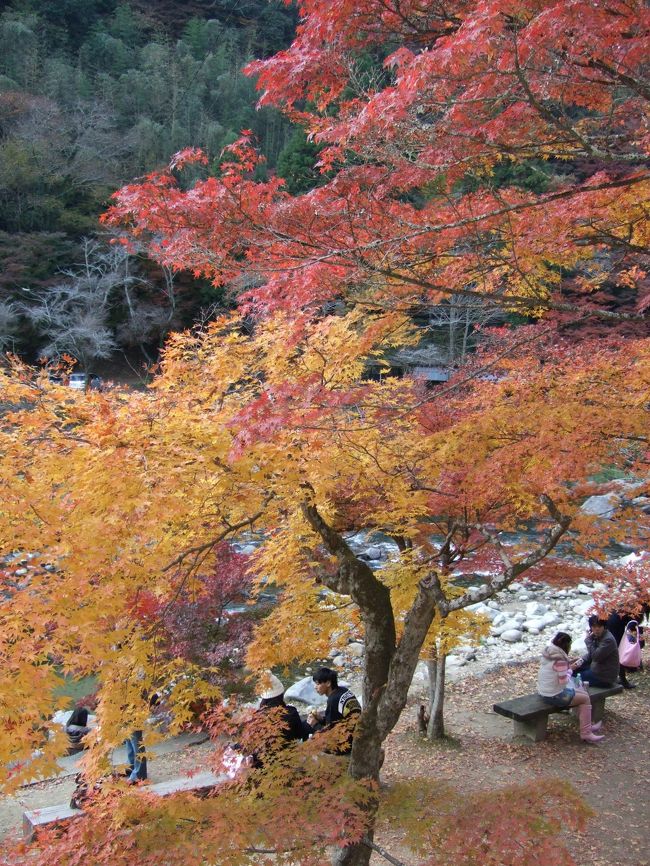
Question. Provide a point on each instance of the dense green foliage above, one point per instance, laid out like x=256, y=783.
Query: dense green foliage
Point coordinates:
x=297, y=163
x=94, y=93
x=92, y=96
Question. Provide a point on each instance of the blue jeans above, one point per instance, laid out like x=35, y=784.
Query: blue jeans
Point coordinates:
x=590, y=678
x=562, y=699
x=135, y=757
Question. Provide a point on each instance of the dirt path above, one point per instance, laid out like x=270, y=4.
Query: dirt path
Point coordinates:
x=613, y=776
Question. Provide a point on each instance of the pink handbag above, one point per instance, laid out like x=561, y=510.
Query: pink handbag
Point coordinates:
x=629, y=651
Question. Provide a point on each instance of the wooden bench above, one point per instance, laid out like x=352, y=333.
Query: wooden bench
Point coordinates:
x=530, y=713
x=199, y=783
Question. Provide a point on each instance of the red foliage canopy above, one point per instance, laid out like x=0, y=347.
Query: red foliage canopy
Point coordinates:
x=411, y=212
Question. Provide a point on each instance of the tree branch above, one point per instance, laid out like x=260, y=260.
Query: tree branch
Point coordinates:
x=382, y=852
x=356, y=579
x=562, y=523
x=206, y=546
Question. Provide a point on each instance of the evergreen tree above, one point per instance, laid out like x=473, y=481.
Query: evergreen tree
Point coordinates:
x=297, y=163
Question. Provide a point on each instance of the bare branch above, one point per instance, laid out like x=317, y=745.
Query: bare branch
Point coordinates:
x=209, y=545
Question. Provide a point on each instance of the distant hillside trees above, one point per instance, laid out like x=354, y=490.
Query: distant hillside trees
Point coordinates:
x=94, y=93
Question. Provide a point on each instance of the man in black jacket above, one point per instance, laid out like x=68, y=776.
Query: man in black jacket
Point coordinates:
x=342, y=705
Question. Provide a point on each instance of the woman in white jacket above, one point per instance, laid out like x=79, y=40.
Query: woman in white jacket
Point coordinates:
x=553, y=685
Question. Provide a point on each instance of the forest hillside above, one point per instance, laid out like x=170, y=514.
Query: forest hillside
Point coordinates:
x=95, y=93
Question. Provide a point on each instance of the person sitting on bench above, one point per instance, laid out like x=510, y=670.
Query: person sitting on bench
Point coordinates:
x=76, y=728
x=600, y=666
x=342, y=708
x=272, y=698
x=553, y=685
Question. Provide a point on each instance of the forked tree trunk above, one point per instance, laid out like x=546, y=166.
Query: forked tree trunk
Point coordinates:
x=436, y=669
x=390, y=663
x=365, y=763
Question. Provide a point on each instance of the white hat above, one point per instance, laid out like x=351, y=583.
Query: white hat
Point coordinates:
x=273, y=686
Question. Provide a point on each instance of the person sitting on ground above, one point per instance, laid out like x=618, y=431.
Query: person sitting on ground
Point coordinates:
x=342, y=705
x=272, y=697
x=600, y=667
x=553, y=686
x=76, y=728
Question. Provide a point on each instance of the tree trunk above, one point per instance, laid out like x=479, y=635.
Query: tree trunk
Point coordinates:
x=353, y=855
x=436, y=669
x=465, y=335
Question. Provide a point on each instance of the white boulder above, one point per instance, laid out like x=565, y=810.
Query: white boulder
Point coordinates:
x=305, y=691
x=511, y=635
x=354, y=649
x=535, y=608
x=482, y=609
x=600, y=506
x=535, y=625
x=508, y=625
x=583, y=607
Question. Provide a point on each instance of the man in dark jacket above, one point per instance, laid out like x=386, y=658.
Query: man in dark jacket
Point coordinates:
x=342, y=705
x=600, y=666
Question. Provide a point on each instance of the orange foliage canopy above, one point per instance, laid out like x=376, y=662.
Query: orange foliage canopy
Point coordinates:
x=127, y=492
x=278, y=435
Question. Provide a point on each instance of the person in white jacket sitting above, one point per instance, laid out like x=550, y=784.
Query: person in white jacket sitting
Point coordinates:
x=555, y=687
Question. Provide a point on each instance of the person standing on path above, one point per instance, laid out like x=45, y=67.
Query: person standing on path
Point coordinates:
x=135, y=752
x=617, y=624
x=136, y=758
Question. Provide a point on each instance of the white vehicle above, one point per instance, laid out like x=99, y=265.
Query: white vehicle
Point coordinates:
x=77, y=381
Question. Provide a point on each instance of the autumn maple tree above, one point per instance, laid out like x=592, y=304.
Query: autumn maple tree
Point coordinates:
x=264, y=421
